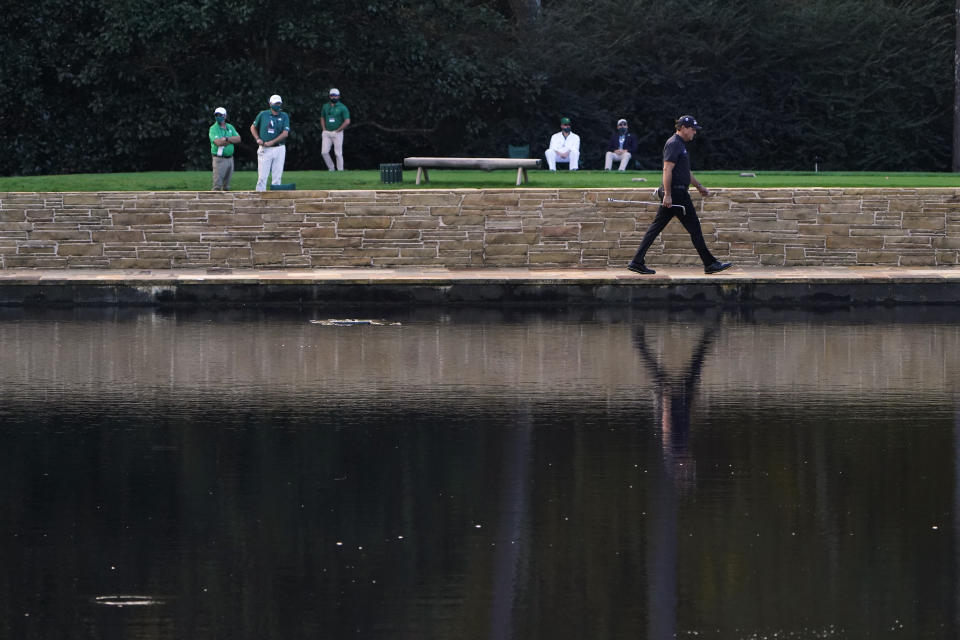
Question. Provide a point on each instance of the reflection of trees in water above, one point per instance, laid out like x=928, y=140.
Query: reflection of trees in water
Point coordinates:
x=261, y=494
x=513, y=508
x=674, y=391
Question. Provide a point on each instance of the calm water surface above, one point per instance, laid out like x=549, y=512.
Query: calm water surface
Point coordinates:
x=474, y=474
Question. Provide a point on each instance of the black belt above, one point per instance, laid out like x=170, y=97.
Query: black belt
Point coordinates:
x=673, y=190
x=224, y=157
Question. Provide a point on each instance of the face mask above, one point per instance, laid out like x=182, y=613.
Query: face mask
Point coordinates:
x=622, y=129
x=565, y=129
x=334, y=99
x=277, y=107
x=221, y=118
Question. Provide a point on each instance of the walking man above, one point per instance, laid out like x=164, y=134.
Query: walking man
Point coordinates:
x=222, y=138
x=336, y=118
x=674, y=190
x=270, y=128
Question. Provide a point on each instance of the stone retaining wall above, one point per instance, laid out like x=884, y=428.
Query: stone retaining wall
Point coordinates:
x=554, y=228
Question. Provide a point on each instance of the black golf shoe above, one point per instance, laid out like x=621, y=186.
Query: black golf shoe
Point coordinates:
x=717, y=267
x=640, y=268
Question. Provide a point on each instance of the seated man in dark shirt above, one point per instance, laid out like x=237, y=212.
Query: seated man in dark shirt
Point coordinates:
x=622, y=147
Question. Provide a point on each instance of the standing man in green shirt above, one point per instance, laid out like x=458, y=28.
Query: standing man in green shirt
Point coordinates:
x=222, y=138
x=336, y=118
x=270, y=128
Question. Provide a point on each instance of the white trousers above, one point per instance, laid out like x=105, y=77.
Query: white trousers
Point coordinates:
x=573, y=159
x=334, y=139
x=611, y=157
x=270, y=163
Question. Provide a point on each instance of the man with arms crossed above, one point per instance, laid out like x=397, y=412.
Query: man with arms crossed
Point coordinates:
x=674, y=190
x=270, y=128
x=222, y=138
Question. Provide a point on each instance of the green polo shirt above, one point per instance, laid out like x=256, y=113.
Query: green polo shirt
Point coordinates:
x=270, y=125
x=334, y=115
x=227, y=131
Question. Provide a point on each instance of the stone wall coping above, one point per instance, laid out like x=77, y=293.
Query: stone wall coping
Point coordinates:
x=674, y=275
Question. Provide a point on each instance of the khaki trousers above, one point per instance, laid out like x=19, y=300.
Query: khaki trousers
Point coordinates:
x=335, y=140
x=222, y=173
x=611, y=157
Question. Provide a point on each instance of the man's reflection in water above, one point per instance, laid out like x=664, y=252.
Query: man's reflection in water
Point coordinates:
x=674, y=396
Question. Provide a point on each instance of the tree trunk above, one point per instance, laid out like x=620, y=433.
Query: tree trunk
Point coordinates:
x=956, y=90
x=526, y=11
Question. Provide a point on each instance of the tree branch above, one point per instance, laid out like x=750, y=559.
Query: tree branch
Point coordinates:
x=377, y=125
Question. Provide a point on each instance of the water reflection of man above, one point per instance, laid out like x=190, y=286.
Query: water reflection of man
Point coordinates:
x=674, y=397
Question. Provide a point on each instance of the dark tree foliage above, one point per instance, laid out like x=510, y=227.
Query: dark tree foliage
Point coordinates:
x=129, y=86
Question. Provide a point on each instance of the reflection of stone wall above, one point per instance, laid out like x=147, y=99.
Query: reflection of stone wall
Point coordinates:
x=469, y=228
x=258, y=357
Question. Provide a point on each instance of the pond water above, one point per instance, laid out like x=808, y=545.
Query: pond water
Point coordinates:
x=479, y=474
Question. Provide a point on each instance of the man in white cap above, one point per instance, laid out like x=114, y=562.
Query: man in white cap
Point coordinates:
x=335, y=118
x=222, y=138
x=621, y=147
x=270, y=129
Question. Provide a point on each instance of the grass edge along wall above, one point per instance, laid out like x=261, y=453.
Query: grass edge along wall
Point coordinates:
x=469, y=179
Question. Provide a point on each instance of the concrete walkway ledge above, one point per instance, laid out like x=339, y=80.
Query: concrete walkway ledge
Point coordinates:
x=671, y=286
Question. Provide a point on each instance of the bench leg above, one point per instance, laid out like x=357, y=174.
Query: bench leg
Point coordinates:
x=422, y=173
x=521, y=176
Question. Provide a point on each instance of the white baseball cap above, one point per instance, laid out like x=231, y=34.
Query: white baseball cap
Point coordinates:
x=274, y=99
x=220, y=110
x=621, y=121
x=334, y=92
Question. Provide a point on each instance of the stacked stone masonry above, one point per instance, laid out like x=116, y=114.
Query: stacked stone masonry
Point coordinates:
x=558, y=228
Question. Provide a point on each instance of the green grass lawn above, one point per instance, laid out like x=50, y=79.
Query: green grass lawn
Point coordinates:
x=455, y=179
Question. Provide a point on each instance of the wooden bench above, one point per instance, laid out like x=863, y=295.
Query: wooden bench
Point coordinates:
x=486, y=164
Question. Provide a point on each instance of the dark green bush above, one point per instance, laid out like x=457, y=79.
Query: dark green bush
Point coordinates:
x=130, y=86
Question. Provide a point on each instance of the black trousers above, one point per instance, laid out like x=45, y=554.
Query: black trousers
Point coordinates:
x=689, y=220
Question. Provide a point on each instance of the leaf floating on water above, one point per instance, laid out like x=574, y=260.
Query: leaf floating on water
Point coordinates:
x=127, y=601
x=350, y=322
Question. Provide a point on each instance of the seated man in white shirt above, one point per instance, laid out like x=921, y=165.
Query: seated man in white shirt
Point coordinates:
x=564, y=147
